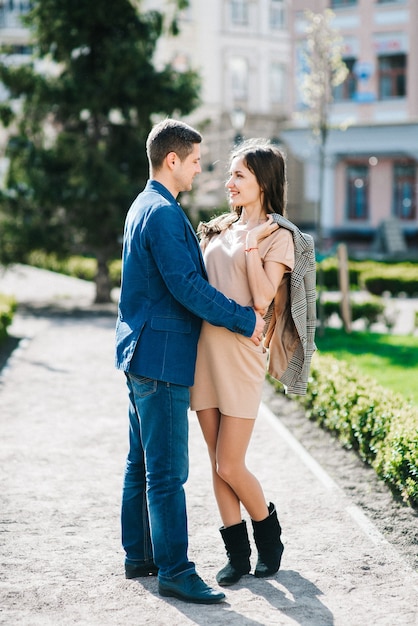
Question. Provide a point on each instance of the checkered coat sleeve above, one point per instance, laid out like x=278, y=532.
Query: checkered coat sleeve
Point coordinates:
x=291, y=334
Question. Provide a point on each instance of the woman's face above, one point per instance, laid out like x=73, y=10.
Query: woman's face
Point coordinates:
x=242, y=185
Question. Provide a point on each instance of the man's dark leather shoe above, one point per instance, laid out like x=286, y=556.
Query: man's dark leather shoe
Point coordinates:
x=138, y=571
x=190, y=589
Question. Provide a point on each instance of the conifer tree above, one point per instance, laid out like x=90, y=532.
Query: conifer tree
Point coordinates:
x=86, y=104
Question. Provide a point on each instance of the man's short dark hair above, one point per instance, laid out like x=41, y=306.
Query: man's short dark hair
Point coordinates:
x=170, y=136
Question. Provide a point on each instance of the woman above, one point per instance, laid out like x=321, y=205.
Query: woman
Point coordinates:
x=247, y=256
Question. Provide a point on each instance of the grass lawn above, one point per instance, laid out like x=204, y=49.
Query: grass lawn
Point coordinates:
x=392, y=360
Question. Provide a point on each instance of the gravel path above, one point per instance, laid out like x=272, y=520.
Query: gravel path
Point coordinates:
x=62, y=451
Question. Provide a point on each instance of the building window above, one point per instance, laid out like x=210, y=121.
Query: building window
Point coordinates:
x=392, y=76
x=335, y=4
x=357, y=192
x=277, y=83
x=21, y=49
x=239, y=78
x=347, y=89
x=22, y=6
x=239, y=12
x=404, y=191
x=12, y=11
x=277, y=14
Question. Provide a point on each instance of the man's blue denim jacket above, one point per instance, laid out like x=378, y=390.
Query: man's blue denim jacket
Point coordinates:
x=165, y=294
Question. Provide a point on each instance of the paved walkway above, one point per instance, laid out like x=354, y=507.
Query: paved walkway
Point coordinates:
x=63, y=443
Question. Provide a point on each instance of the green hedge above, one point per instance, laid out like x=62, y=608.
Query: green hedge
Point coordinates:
x=371, y=275
x=380, y=425
x=371, y=311
x=76, y=266
x=329, y=269
x=7, y=310
x=376, y=277
x=393, y=279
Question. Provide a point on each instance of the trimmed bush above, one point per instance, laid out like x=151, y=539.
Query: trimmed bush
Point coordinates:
x=81, y=267
x=7, y=310
x=115, y=270
x=393, y=279
x=329, y=307
x=76, y=266
x=329, y=268
x=50, y=262
x=378, y=424
x=369, y=310
x=377, y=277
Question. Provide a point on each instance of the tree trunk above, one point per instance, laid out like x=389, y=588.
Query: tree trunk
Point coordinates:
x=102, y=280
x=319, y=237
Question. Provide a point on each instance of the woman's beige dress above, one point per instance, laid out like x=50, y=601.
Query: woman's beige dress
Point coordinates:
x=230, y=368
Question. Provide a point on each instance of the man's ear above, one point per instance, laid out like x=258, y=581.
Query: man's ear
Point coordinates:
x=171, y=160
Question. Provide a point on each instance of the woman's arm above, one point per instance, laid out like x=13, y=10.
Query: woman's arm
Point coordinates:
x=263, y=280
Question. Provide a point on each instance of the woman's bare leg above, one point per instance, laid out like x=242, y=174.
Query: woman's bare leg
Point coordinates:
x=228, y=502
x=233, y=437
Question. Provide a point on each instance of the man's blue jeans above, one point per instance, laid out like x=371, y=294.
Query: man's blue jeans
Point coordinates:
x=154, y=519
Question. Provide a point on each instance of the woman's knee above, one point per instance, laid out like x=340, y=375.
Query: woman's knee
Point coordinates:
x=227, y=471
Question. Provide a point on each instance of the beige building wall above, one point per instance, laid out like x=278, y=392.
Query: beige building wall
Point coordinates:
x=245, y=68
x=242, y=52
x=380, y=133
x=12, y=33
x=246, y=54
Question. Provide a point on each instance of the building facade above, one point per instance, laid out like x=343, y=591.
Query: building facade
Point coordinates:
x=16, y=37
x=371, y=155
x=242, y=50
x=247, y=53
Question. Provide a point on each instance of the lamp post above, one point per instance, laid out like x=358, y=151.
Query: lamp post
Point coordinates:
x=238, y=117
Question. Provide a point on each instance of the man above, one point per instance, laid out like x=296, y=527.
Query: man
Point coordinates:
x=164, y=296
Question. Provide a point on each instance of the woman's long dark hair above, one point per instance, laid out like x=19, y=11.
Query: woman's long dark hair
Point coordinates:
x=267, y=164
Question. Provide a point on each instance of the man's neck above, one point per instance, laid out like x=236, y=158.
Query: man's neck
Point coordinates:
x=167, y=181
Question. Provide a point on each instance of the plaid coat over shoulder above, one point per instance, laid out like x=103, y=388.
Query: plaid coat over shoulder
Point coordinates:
x=291, y=331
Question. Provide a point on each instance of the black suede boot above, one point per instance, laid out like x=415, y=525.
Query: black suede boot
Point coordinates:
x=238, y=551
x=267, y=539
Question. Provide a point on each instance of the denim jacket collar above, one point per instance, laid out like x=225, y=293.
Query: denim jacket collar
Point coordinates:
x=154, y=185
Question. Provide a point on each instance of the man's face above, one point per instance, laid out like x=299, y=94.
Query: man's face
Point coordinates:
x=185, y=171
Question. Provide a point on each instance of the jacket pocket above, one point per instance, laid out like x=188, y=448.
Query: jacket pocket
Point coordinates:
x=171, y=324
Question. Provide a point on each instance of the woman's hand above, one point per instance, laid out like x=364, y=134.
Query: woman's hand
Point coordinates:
x=260, y=232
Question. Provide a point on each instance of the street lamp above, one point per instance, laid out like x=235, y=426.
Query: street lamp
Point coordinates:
x=238, y=117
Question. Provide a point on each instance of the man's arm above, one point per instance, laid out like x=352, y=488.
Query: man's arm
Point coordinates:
x=173, y=257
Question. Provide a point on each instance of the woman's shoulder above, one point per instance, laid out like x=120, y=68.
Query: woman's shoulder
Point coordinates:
x=279, y=247
x=281, y=234
x=216, y=225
